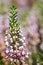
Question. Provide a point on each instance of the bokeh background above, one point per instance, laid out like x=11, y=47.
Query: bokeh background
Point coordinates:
x=30, y=17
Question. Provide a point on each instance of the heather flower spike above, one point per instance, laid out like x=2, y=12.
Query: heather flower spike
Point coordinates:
x=14, y=39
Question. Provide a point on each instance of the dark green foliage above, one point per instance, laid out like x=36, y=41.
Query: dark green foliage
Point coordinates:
x=1, y=62
x=34, y=59
x=37, y=58
x=10, y=63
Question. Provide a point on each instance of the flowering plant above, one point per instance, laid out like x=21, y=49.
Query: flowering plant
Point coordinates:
x=15, y=50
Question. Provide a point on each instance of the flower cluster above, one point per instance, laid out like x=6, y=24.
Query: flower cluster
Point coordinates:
x=15, y=51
